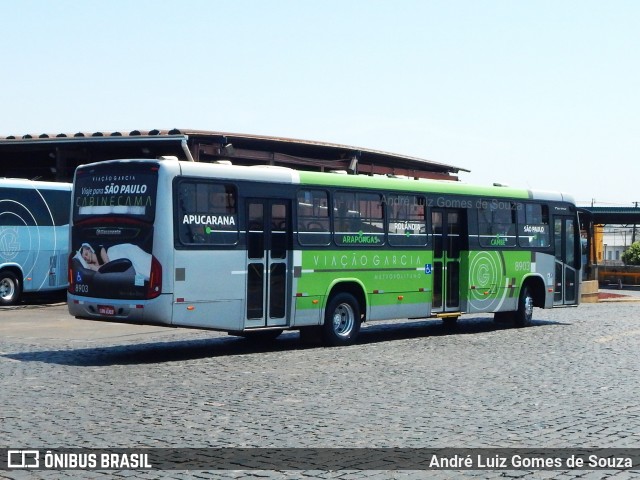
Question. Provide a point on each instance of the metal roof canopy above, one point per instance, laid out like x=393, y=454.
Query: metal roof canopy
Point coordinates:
x=592, y=216
x=55, y=156
x=611, y=215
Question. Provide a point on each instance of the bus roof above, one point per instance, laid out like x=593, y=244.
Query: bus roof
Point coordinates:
x=429, y=186
x=286, y=175
x=40, y=185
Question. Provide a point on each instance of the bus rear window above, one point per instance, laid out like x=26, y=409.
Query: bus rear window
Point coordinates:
x=129, y=192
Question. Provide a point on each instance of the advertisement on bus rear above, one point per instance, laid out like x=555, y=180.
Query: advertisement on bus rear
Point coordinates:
x=131, y=191
x=112, y=233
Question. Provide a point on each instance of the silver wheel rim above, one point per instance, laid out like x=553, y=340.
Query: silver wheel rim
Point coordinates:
x=343, y=320
x=7, y=289
x=528, y=307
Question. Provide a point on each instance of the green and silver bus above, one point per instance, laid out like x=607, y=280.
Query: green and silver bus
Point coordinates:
x=257, y=250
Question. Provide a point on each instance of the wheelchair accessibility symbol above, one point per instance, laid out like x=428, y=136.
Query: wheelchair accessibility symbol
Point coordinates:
x=427, y=269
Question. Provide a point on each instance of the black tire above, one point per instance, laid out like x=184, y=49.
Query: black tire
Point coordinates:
x=524, y=315
x=10, y=288
x=341, y=320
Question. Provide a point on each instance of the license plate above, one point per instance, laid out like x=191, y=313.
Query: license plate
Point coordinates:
x=106, y=310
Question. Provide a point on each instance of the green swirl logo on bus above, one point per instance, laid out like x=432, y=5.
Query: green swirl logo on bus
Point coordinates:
x=360, y=239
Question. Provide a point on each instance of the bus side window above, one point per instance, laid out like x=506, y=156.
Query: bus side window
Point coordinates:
x=497, y=223
x=278, y=218
x=59, y=202
x=207, y=213
x=313, y=218
x=533, y=225
x=407, y=220
x=25, y=207
x=358, y=219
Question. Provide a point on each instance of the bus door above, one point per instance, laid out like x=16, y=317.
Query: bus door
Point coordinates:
x=268, y=262
x=567, y=280
x=448, y=239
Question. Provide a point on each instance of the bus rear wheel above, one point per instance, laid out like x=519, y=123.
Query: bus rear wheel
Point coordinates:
x=9, y=288
x=341, y=320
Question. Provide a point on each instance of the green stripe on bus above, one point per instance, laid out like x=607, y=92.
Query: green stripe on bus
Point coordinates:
x=423, y=186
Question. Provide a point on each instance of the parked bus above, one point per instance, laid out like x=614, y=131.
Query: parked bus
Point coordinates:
x=34, y=237
x=257, y=250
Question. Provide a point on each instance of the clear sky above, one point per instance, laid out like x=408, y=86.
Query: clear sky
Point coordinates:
x=536, y=94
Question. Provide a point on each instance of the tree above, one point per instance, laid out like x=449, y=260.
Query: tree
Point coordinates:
x=631, y=256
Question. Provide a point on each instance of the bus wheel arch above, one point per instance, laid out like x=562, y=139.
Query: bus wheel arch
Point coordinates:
x=537, y=290
x=10, y=286
x=343, y=314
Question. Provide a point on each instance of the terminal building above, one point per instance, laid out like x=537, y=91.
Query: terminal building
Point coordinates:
x=607, y=233
x=54, y=157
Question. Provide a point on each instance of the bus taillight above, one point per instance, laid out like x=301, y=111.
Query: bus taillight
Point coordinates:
x=70, y=274
x=155, y=279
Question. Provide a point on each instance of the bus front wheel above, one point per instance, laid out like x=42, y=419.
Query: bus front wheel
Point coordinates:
x=341, y=320
x=524, y=315
x=9, y=288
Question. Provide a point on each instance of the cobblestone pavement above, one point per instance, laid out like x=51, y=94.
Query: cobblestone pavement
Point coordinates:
x=570, y=380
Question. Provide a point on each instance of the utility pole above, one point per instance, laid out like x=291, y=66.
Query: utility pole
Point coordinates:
x=633, y=234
